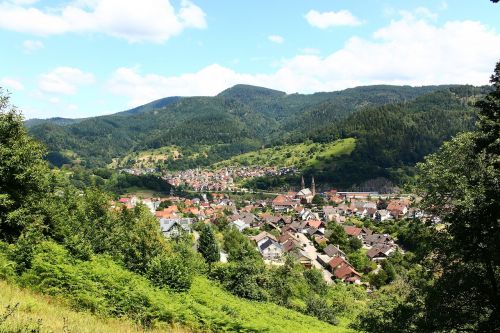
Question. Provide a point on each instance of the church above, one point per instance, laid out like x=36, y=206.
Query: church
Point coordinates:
x=306, y=195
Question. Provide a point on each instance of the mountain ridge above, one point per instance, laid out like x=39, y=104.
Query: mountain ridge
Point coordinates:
x=240, y=119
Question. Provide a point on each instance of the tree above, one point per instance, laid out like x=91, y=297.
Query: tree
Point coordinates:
x=355, y=244
x=378, y=279
x=24, y=175
x=207, y=245
x=338, y=236
x=459, y=185
x=238, y=246
x=318, y=200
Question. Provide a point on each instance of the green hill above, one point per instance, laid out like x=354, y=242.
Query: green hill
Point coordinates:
x=207, y=130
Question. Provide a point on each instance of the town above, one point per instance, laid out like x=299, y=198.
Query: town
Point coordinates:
x=303, y=225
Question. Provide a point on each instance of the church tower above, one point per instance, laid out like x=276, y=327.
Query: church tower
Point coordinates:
x=313, y=187
x=303, y=183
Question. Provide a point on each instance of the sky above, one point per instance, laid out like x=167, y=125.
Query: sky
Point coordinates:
x=80, y=58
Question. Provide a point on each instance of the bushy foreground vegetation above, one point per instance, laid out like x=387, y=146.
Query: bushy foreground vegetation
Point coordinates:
x=105, y=288
x=75, y=245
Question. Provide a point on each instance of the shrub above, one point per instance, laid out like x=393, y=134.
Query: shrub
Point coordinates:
x=171, y=272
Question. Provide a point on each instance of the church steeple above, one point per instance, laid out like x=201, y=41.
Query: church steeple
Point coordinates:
x=303, y=183
x=313, y=185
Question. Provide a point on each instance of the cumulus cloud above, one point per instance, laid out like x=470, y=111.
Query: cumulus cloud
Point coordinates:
x=133, y=20
x=331, y=19
x=31, y=46
x=11, y=83
x=64, y=80
x=276, y=39
x=411, y=50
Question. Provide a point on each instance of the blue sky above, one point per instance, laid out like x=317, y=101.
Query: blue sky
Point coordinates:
x=90, y=57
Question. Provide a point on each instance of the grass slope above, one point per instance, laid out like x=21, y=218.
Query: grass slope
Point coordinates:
x=302, y=155
x=40, y=313
x=107, y=289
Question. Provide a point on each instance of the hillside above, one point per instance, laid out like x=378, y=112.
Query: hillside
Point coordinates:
x=78, y=285
x=239, y=119
x=301, y=155
x=207, y=130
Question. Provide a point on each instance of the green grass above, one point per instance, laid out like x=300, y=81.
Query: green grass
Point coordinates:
x=302, y=155
x=32, y=312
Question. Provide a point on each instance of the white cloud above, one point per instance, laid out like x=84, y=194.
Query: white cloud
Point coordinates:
x=133, y=20
x=11, y=83
x=64, y=80
x=412, y=50
x=23, y=2
x=331, y=19
x=276, y=39
x=31, y=46
x=310, y=50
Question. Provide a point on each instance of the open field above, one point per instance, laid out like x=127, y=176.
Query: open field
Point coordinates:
x=300, y=155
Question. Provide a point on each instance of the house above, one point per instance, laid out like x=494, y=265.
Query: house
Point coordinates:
x=172, y=228
x=316, y=224
x=263, y=236
x=379, y=252
x=240, y=225
x=378, y=239
x=348, y=274
x=324, y=259
x=270, y=249
x=344, y=271
x=290, y=245
x=333, y=251
x=330, y=213
x=284, y=203
x=383, y=215
x=397, y=208
x=278, y=220
x=307, y=214
x=243, y=221
x=303, y=258
x=353, y=231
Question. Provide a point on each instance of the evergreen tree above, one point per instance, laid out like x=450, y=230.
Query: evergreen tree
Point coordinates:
x=24, y=180
x=207, y=245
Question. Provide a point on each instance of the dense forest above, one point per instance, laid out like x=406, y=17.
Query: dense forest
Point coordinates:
x=395, y=127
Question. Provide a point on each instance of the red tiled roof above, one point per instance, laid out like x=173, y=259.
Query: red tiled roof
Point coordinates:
x=352, y=231
x=337, y=261
x=314, y=223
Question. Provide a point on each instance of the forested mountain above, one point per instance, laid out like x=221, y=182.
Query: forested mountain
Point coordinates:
x=56, y=120
x=396, y=126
